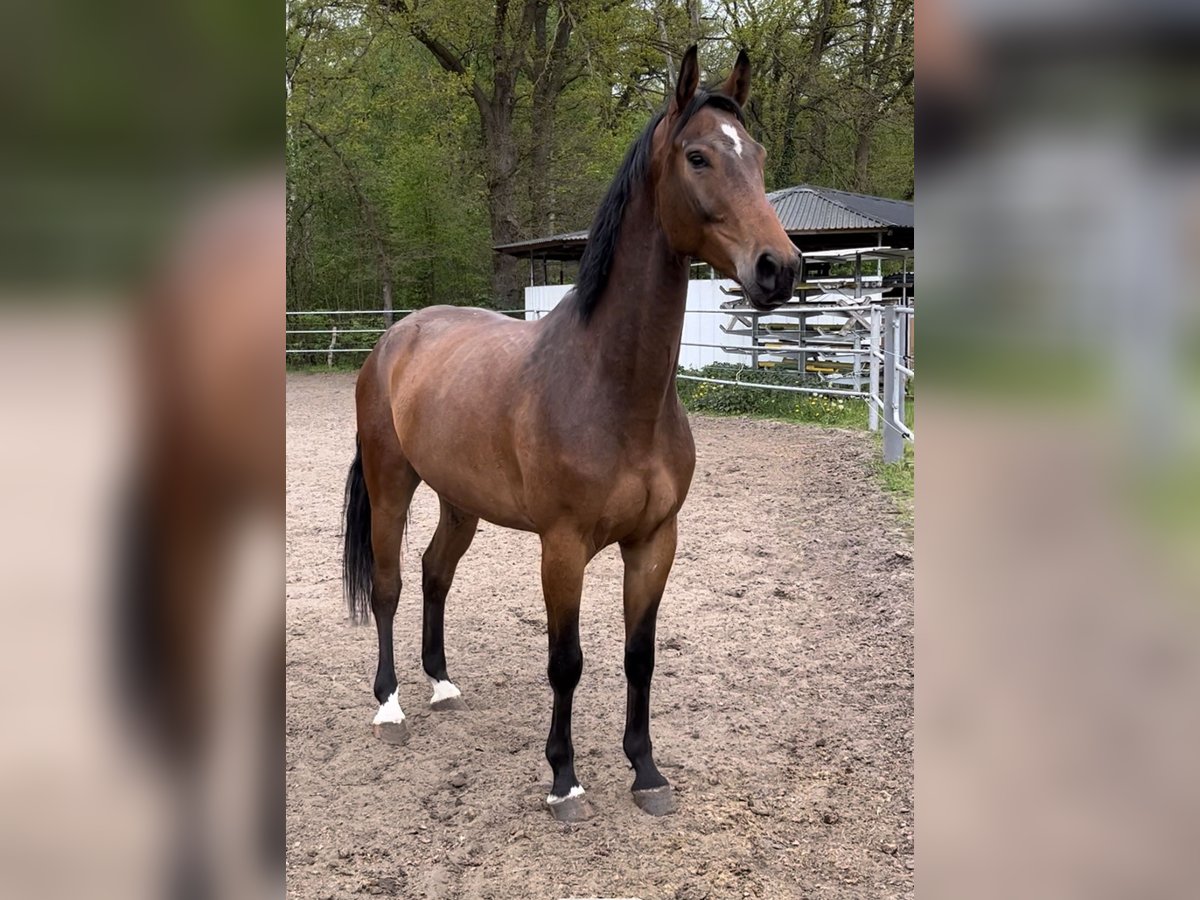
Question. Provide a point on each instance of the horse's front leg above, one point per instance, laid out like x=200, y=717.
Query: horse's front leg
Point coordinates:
x=564, y=557
x=647, y=564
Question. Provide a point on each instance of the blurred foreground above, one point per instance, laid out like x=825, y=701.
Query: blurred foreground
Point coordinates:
x=1058, y=486
x=142, y=534
x=1058, y=479
x=141, y=381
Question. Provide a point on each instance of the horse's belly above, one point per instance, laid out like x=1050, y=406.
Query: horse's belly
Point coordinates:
x=485, y=501
x=465, y=462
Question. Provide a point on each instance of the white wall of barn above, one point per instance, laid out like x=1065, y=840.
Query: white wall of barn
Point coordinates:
x=701, y=323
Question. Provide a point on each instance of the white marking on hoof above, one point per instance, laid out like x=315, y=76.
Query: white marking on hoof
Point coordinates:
x=443, y=690
x=733, y=136
x=576, y=791
x=389, y=711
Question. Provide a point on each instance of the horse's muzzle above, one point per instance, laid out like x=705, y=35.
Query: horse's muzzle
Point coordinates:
x=772, y=281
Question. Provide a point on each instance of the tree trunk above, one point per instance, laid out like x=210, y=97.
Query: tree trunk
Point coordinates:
x=387, y=297
x=501, y=151
x=821, y=35
x=545, y=97
x=512, y=30
x=817, y=141
x=431, y=291
x=693, y=8
x=666, y=46
x=385, y=276
x=541, y=179
x=367, y=211
x=862, y=156
x=785, y=166
x=548, y=73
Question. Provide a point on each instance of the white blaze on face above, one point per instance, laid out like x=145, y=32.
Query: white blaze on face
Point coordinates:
x=731, y=132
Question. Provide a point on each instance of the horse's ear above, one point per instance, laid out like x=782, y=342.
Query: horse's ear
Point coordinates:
x=688, y=80
x=737, y=85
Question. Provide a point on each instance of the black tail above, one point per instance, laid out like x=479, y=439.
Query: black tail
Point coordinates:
x=142, y=651
x=358, y=560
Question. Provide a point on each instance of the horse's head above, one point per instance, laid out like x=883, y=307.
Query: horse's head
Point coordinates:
x=709, y=187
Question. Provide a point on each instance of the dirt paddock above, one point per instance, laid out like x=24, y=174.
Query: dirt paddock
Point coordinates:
x=781, y=706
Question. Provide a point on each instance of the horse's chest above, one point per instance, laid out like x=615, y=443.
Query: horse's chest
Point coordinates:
x=614, y=482
x=646, y=491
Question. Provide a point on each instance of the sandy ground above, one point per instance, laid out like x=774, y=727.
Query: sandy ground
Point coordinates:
x=781, y=710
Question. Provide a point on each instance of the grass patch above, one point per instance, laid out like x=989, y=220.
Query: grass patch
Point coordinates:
x=736, y=400
x=810, y=409
x=731, y=400
x=342, y=362
x=898, y=480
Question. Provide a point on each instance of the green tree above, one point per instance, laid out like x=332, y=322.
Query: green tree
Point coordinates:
x=422, y=132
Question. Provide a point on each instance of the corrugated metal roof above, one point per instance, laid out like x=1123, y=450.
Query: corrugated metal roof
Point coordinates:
x=567, y=238
x=805, y=208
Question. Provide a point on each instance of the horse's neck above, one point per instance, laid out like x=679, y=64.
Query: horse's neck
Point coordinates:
x=638, y=319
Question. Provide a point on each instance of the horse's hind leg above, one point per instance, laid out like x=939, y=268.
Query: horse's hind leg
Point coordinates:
x=455, y=531
x=647, y=564
x=391, y=482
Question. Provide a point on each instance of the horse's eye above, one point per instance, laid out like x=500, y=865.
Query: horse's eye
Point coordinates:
x=697, y=160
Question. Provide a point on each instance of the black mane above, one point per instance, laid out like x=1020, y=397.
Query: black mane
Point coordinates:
x=602, y=236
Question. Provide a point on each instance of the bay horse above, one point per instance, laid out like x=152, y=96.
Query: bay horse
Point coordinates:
x=568, y=426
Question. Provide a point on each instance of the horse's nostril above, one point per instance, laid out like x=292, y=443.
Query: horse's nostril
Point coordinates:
x=766, y=270
x=786, y=281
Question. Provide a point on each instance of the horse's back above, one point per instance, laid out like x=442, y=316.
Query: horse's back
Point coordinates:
x=436, y=320
x=432, y=344
x=451, y=337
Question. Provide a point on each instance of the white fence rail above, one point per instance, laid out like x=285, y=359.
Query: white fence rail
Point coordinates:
x=878, y=365
x=882, y=358
x=334, y=331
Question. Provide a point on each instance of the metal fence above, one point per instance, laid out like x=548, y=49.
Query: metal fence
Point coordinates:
x=879, y=370
x=338, y=334
x=891, y=335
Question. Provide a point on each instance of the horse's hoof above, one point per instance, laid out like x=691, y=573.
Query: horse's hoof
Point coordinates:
x=659, y=801
x=572, y=809
x=391, y=732
x=449, y=703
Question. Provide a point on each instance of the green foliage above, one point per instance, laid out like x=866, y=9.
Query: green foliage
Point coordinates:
x=730, y=400
x=899, y=480
x=405, y=150
x=837, y=412
x=390, y=178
